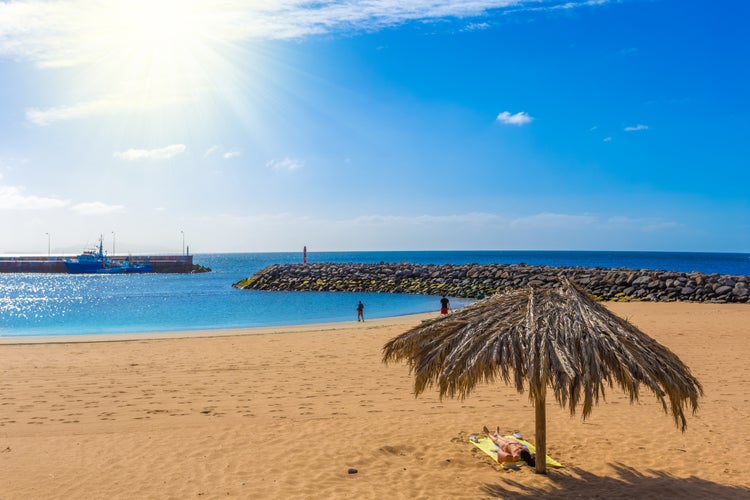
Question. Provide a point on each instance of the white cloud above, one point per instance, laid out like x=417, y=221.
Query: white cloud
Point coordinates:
x=128, y=98
x=644, y=224
x=520, y=118
x=553, y=220
x=473, y=218
x=285, y=164
x=96, y=208
x=607, y=139
x=164, y=153
x=476, y=27
x=636, y=128
x=227, y=155
x=15, y=198
x=120, y=37
x=542, y=230
x=368, y=231
x=65, y=33
x=47, y=116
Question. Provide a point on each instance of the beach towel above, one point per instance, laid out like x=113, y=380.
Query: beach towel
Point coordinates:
x=486, y=445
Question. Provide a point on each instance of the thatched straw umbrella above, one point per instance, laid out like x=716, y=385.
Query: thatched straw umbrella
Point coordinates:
x=544, y=337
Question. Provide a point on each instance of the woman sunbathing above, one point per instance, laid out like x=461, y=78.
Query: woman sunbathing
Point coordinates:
x=510, y=450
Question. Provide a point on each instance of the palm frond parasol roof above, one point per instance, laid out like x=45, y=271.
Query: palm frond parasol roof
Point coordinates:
x=535, y=338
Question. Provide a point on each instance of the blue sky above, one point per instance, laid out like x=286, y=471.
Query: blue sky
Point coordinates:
x=378, y=125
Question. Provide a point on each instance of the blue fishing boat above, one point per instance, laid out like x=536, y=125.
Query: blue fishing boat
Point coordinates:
x=94, y=261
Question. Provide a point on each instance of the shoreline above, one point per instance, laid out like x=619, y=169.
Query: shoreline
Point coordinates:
x=272, y=330
x=276, y=329
x=213, y=332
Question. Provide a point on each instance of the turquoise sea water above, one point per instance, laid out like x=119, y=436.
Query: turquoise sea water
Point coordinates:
x=62, y=304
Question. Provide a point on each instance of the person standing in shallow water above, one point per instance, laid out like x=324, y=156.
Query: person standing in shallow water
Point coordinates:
x=360, y=311
x=445, y=305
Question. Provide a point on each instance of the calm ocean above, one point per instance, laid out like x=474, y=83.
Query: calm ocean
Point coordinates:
x=62, y=304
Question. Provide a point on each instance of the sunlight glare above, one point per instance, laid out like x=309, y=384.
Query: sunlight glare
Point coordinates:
x=149, y=26
x=158, y=48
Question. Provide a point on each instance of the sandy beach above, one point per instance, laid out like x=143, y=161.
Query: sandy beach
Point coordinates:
x=287, y=412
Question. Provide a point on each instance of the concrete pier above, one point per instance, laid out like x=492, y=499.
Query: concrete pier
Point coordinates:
x=56, y=264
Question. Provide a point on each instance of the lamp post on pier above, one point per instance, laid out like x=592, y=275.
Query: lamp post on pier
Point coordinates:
x=113, y=243
x=183, y=242
x=48, y=247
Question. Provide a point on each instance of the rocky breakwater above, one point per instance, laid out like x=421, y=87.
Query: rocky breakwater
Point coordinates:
x=478, y=281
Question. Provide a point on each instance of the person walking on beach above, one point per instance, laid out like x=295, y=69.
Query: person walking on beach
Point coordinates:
x=445, y=305
x=360, y=311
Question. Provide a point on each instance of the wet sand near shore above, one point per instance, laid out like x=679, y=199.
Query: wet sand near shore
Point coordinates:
x=286, y=412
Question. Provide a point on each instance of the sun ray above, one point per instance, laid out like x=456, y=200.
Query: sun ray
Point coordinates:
x=155, y=52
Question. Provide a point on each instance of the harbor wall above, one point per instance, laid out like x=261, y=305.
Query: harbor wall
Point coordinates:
x=477, y=281
x=56, y=264
x=32, y=265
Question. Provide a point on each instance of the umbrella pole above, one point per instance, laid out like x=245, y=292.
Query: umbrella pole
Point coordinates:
x=540, y=424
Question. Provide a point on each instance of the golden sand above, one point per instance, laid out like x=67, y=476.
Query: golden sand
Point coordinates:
x=286, y=412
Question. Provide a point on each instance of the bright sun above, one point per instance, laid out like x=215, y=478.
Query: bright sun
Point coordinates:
x=157, y=27
x=155, y=47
